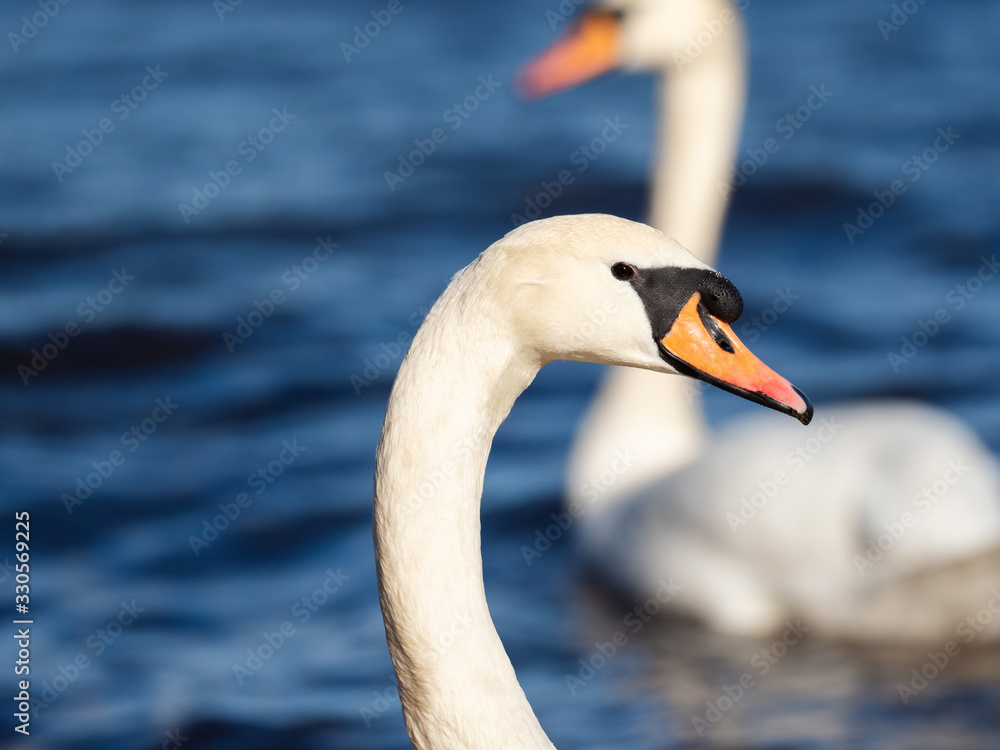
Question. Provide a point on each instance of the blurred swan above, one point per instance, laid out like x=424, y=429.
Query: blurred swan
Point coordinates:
x=523, y=303
x=883, y=523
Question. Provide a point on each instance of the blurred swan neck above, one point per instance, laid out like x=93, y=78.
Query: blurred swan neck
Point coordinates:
x=701, y=107
x=641, y=427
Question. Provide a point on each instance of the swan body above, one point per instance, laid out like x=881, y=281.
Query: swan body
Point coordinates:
x=877, y=523
x=524, y=302
x=680, y=510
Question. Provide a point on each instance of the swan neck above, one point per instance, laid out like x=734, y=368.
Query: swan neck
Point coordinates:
x=456, y=683
x=700, y=112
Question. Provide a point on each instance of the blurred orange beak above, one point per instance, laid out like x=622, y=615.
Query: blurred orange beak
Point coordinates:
x=589, y=48
x=702, y=346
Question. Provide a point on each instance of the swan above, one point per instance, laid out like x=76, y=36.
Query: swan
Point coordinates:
x=881, y=524
x=529, y=299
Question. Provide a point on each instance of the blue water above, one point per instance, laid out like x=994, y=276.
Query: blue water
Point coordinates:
x=170, y=406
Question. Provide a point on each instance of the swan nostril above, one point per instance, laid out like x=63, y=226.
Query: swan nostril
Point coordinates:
x=718, y=335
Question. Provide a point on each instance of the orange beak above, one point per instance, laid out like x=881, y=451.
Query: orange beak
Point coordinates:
x=702, y=346
x=589, y=48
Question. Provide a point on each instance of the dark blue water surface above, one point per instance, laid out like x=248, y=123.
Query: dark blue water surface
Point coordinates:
x=230, y=361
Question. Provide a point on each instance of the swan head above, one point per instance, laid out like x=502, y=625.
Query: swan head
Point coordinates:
x=658, y=35
x=602, y=289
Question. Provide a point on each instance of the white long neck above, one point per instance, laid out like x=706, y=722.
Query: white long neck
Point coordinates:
x=456, y=683
x=658, y=423
x=700, y=111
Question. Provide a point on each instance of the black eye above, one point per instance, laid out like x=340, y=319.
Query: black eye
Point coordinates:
x=623, y=271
